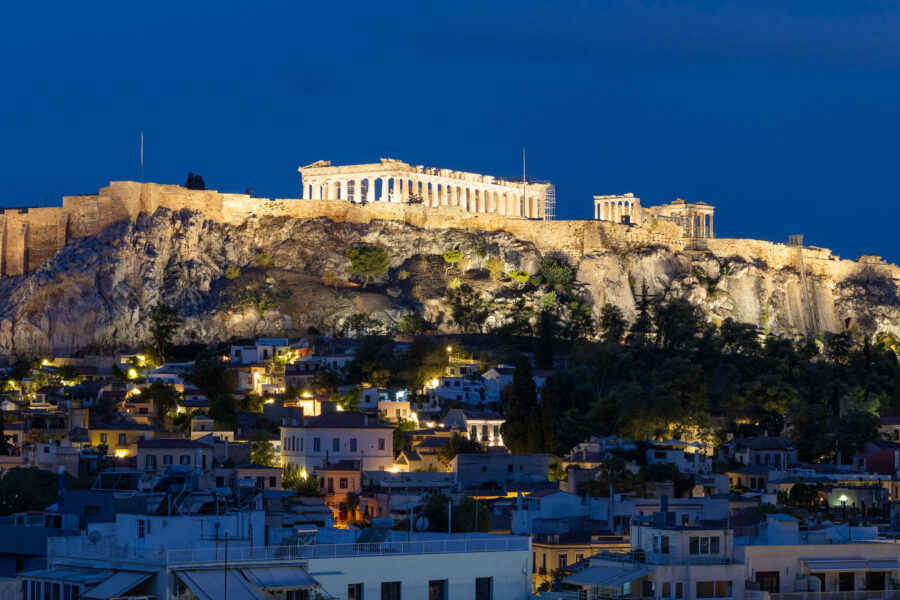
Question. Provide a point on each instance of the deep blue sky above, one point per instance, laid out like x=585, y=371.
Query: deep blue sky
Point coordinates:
x=784, y=115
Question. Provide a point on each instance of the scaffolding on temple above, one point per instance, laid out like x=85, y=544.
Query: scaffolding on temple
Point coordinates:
x=550, y=203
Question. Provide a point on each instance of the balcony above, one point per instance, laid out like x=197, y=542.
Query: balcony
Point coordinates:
x=854, y=595
x=665, y=559
x=79, y=548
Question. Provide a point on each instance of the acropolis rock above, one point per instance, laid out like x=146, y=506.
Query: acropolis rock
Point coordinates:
x=86, y=274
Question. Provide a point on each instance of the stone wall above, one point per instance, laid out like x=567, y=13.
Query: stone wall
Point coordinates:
x=28, y=237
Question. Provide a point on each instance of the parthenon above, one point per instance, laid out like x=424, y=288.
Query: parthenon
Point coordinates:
x=395, y=181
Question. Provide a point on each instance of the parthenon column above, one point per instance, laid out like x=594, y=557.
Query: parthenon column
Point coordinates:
x=370, y=189
x=711, y=225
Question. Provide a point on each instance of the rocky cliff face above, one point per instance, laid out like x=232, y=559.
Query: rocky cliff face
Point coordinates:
x=96, y=292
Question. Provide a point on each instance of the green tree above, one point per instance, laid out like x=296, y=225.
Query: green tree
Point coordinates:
x=399, y=438
x=292, y=478
x=164, y=320
x=29, y=488
x=165, y=397
x=458, y=445
x=232, y=272
x=557, y=274
x=521, y=431
x=543, y=350
x=642, y=329
x=349, y=400
x=194, y=182
x=452, y=256
x=368, y=262
x=262, y=450
x=612, y=323
x=852, y=430
x=468, y=310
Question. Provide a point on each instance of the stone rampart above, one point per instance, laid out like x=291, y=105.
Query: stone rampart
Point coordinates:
x=28, y=237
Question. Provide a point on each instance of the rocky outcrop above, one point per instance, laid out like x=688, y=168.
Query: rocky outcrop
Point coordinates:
x=96, y=292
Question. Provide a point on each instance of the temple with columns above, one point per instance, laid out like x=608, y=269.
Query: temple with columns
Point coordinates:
x=396, y=181
x=695, y=218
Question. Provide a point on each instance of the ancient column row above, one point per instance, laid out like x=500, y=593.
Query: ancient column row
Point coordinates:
x=431, y=193
x=614, y=210
x=699, y=225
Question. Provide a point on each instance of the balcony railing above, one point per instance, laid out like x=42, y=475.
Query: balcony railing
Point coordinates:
x=83, y=548
x=665, y=559
x=854, y=595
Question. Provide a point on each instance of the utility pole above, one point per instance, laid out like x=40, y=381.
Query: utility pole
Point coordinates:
x=226, y=566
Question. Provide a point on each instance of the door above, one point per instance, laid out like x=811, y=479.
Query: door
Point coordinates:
x=769, y=581
x=846, y=581
x=875, y=580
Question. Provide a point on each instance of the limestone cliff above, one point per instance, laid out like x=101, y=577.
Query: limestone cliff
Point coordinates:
x=96, y=292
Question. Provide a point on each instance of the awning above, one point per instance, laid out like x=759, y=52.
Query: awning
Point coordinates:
x=269, y=578
x=822, y=565
x=612, y=576
x=209, y=584
x=884, y=564
x=117, y=585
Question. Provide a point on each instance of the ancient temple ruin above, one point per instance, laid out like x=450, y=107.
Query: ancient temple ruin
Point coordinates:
x=694, y=218
x=396, y=181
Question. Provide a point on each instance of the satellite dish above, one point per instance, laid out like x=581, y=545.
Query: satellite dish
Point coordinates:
x=421, y=523
x=94, y=537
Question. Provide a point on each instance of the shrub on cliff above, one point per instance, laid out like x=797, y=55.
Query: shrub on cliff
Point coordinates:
x=232, y=272
x=557, y=274
x=368, y=262
x=452, y=256
x=194, y=182
x=264, y=260
x=164, y=320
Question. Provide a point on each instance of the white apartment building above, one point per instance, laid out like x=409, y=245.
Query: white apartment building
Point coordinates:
x=337, y=436
x=184, y=557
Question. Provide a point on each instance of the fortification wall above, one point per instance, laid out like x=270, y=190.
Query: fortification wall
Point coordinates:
x=28, y=237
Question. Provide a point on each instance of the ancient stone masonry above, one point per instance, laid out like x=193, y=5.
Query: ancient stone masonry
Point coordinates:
x=694, y=218
x=395, y=181
x=423, y=197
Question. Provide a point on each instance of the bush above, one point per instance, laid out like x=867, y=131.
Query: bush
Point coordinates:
x=233, y=272
x=495, y=267
x=556, y=273
x=368, y=261
x=452, y=256
x=263, y=260
x=330, y=278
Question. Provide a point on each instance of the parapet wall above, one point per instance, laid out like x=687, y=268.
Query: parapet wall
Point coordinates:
x=28, y=237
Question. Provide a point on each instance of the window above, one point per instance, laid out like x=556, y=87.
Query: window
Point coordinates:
x=184, y=459
x=474, y=434
x=703, y=545
x=142, y=528
x=336, y=445
x=381, y=443
x=562, y=560
x=151, y=462
x=301, y=444
x=437, y=589
x=666, y=589
x=496, y=431
x=91, y=511
x=713, y=589
x=483, y=588
x=121, y=439
x=317, y=445
x=102, y=438
x=664, y=544
x=355, y=591
x=260, y=483
x=390, y=590
x=167, y=459
x=484, y=432
x=679, y=589
x=352, y=444
x=272, y=481
x=343, y=483
x=579, y=556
